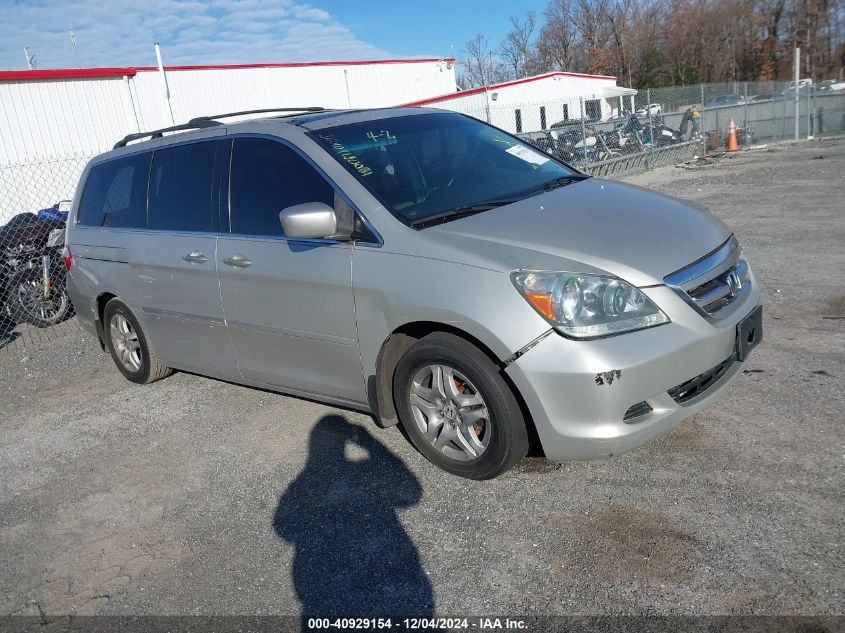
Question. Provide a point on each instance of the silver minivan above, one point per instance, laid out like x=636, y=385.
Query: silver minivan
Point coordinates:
x=419, y=265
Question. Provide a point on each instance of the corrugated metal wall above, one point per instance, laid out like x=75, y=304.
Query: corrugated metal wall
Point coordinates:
x=56, y=119
x=49, y=128
x=198, y=92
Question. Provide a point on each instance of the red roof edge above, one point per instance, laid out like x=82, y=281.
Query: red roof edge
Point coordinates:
x=65, y=73
x=69, y=73
x=474, y=91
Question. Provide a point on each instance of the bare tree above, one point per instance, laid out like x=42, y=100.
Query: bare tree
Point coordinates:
x=479, y=66
x=620, y=14
x=558, y=37
x=813, y=26
x=659, y=42
x=518, y=52
x=595, y=35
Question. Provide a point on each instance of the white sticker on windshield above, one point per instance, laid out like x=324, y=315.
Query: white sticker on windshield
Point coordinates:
x=529, y=156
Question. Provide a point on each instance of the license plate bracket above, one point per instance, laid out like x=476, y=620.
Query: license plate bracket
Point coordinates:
x=749, y=333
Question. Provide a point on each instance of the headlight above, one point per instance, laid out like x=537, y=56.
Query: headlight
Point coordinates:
x=587, y=306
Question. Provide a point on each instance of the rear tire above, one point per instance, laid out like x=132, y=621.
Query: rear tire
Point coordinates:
x=128, y=345
x=457, y=409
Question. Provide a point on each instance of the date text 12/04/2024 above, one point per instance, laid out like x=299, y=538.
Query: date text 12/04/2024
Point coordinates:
x=416, y=623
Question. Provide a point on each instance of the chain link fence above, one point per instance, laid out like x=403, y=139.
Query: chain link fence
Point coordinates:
x=604, y=135
x=34, y=202
x=761, y=111
x=644, y=129
x=600, y=136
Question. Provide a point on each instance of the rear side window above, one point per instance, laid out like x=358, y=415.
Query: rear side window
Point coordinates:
x=267, y=176
x=115, y=193
x=181, y=188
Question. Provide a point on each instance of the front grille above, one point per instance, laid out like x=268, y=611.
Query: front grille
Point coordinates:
x=695, y=387
x=717, y=293
x=637, y=411
x=714, y=284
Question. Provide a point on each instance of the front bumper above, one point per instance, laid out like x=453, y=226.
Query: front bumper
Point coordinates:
x=578, y=392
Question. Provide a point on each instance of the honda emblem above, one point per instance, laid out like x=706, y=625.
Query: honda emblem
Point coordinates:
x=734, y=283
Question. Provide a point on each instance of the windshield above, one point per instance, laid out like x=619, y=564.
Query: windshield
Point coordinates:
x=429, y=165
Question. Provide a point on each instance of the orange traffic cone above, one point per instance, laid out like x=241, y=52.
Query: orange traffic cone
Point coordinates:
x=732, y=144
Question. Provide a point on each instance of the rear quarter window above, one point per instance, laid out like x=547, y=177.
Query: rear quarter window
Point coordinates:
x=115, y=193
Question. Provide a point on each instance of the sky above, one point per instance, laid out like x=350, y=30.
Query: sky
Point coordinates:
x=122, y=32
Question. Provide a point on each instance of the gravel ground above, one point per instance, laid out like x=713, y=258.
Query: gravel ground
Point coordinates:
x=194, y=496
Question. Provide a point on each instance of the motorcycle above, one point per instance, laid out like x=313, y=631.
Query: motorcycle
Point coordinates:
x=651, y=135
x=597, y=146
x=662, y=134
x=575, y=144
x=32, y=272
x=632, y=135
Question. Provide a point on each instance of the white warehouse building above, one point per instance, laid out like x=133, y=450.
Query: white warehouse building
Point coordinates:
x=536, y=103
x=53, y=121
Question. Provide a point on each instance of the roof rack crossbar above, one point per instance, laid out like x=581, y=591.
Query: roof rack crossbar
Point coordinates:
x=202, y=122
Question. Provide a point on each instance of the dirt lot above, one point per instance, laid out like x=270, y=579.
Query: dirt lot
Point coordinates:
x=193, y=496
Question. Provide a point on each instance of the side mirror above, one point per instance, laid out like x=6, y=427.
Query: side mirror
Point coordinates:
x=308, y=220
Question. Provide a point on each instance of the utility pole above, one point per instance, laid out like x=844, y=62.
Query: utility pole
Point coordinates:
x=30, y=59
x=164, y=82
x=72, y=34
x=797, y=78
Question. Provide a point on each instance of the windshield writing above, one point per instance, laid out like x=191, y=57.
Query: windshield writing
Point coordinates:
x=422, y=166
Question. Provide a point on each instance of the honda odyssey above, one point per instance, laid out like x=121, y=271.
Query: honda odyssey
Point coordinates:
x=416, y=264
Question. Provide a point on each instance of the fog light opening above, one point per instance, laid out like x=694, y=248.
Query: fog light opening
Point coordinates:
x=636, y=412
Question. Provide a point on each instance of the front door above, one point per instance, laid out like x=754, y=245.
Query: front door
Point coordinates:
x=288, y=303
x=174, y=261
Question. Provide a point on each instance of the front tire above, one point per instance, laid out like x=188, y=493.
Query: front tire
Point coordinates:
x=457, y=409
x=27, y=303
x=129, y=347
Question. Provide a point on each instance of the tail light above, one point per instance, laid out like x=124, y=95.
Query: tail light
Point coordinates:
x=67, y=257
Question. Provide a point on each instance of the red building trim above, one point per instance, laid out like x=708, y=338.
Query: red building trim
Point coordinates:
x=475, y=91
x=71, y=73
x=64, y=73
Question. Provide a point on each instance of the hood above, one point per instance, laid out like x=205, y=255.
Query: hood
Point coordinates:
x=589, y=226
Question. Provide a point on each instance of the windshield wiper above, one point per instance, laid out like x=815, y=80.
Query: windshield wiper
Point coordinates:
x=563, y=181
x=460, y=212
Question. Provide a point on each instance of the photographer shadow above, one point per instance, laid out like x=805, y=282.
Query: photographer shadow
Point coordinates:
x=352, y=556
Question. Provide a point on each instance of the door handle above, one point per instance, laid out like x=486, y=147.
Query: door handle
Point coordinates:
x=238, y=261
x=195, y=257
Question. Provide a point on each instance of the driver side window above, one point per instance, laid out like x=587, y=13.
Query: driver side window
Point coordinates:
x=265, y=177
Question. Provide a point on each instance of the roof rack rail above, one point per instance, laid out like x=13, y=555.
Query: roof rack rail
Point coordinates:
x=213, y=117
x=191, y=125
x=203, y=122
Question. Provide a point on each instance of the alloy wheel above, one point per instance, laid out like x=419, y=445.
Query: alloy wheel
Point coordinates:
x=450, y=412
x=125, y=341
